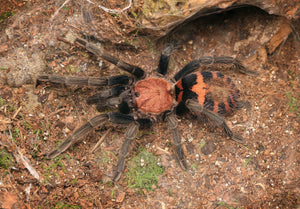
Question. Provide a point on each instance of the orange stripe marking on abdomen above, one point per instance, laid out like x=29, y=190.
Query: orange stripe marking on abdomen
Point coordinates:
x=216, y=107
x=227, y=107
x=200, y=88
x=214, y=75
x=179, y=86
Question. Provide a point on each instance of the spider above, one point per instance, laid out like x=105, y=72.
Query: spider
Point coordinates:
x=143, y=100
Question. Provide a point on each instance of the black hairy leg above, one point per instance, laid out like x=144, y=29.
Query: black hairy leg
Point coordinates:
x=204, y=61
x=198, y=109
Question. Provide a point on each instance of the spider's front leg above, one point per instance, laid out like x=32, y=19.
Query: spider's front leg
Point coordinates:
x=107, y=97
x=99, y=52
x=173, y=125
x=84, y=81
x=80, y=81
x=195, y=107
x=165, y=57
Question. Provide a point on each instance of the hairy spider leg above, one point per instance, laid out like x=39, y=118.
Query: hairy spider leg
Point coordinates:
x=118, y=82
x=130, y=134
x=169, y=115
x=82, y=131
x=113, y=117
x=132, y=69
x=80, y=81
x=165, y=57
x=195, y=107
x=78, y=134
x=173, y=126
x=202, y=61
x=113, y=92
x=110, y=97
x=105, y=98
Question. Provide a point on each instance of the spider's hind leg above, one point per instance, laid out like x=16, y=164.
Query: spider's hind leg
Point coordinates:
x=194, y=106
x=205, y=61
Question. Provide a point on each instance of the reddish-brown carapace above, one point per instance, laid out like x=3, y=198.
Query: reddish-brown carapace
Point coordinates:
x=153, y=95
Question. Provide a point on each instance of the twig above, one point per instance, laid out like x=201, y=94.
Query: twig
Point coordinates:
x=25, y=161
x=17, y=112
x=57, y=111
x=27, y=191
x=100, y=140
x=67, y=1
x=63, y=40
x=5, y=121
x=113, y=11
x=163, y=150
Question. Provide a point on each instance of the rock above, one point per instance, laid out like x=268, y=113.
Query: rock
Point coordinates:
x=161, y=17
x=20, y=68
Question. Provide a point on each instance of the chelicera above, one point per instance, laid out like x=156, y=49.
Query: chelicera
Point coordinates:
x=143, y=100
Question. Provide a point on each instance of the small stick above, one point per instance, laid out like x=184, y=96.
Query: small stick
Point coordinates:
x=5, y=121
x=163, y=150
x=53, y=16
x=100, y=140
x=57, y=111
x=17, y=112
x=63, y=40
x=24, y=160
x=113, y=11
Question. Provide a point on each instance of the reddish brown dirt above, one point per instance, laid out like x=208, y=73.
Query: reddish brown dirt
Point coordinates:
x=262, y=174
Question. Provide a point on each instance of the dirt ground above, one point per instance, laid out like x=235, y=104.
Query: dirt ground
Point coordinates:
x=263, y=173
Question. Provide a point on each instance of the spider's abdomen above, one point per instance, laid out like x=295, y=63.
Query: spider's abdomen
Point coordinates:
x=213, y=90
x=153, y=95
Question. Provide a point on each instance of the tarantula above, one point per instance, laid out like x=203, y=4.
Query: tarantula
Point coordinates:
x=143, y=99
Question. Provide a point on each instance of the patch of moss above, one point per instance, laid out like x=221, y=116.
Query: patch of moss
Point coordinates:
x=143, y=171
x=6, y=15
x=60, y=205
x=294, y=103
x=51, y=171
x=6, y=160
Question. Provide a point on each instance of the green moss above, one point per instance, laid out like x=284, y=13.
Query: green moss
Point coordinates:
x=60, y=205
x=247, y=161
x=227, y=206
x=294, y=103
x=1, y=102
x=6, y=15
x=143, y=171
x=6, y=160
x=51, y=171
